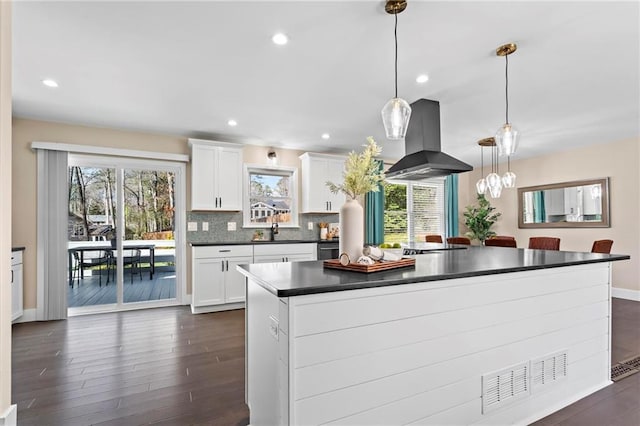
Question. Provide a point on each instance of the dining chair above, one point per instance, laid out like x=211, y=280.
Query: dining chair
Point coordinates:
x=433, y=238
x=504, y=237
x=500, y=242
x=602, y=246
x=544, y=243
x=103, y=257
x=132, y=257
x=459, y=240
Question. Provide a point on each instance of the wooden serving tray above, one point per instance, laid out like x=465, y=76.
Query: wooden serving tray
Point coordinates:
x=376, y=267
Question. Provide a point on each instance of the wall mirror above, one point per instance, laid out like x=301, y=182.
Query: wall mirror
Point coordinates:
x=578, y=204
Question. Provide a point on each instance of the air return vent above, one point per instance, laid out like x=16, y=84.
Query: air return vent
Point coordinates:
x=505, y=386
x=548, y=369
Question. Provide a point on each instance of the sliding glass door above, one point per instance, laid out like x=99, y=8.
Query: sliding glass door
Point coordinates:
x=122, y=234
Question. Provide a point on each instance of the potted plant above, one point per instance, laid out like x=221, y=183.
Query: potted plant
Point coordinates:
x=362, y=174
x=479, y=219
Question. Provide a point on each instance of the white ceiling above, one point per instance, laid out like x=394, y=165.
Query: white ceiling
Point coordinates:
x=185, y=68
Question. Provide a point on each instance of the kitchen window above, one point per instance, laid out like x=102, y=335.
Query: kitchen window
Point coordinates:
x=270, y=197
x=413, y=210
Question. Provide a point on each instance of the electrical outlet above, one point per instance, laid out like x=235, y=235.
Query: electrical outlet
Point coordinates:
x=310, y=226
x=205, y=226
x=231, y=226
x=192, y=226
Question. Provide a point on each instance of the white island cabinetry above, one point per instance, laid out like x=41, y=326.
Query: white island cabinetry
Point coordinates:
x=216, y=284
x=216, y=175
x=317, y=169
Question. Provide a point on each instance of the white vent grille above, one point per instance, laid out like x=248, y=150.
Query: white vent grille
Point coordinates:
x=502, y=387
x=548, y=369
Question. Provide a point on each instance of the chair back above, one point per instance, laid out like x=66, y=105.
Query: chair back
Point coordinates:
x=459, y=240
x=544, y=243
x=433, y=238
x=504, y=237
x=602, y=246
x=500, y=242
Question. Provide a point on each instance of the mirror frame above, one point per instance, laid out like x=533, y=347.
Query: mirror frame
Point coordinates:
x=605, y=223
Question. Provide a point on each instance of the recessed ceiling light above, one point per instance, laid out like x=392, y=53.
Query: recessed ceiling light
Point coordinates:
x=49, y=83
x=422, y=78
x=326, y=136
x=280, y=39
x=232, y=123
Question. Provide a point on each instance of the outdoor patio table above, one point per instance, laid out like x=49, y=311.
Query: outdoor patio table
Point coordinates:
x=82, y=249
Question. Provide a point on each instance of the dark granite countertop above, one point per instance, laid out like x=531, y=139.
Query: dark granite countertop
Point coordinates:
x=246, y=243
x=300, y=278
x=17, y=248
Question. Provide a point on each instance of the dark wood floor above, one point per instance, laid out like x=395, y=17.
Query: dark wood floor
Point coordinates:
x=167, y=366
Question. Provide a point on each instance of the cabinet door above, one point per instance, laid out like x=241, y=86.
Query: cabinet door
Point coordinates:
x=16, y=291
x=208, y=282
x=203, y=160
x=234, y=283
x=229, y=179
x=316, y=194
x=334, y=174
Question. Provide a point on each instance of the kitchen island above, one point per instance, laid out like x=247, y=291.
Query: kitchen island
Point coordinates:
x=484, y=335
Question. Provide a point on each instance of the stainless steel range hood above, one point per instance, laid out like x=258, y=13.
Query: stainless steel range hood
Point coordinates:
x=423, y=158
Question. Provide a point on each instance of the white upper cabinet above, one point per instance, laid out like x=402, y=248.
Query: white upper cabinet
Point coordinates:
x=216, y=175
x=317, y=169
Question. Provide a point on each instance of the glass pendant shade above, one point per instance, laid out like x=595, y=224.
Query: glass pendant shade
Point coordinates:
x=395, y=117
x=494, y=183
x=481, y=186
x=509, y=180
x=507, y=139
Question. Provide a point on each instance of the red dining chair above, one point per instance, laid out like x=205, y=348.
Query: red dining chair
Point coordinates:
x=433, y=238
x=504, y=237
x=544, y=243
x=459, y=240
x=500, y=242
x=602, y=246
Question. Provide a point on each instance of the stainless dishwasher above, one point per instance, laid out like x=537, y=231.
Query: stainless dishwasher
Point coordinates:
x=328, y=250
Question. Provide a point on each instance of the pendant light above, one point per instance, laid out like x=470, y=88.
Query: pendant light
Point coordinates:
x=493, y=181
x=507, y=135
x=509, y=178
x=481, y=184
x=396, y=112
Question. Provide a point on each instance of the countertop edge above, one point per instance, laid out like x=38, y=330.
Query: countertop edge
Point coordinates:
x=427, y=278
x=17, y=249
x=261, y=243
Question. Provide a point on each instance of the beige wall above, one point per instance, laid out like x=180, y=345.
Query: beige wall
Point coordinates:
x=619, y=161
x=5, y=213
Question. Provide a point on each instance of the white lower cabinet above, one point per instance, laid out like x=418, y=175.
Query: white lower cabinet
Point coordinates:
x=215, y=281
x=266, y=253
x=16, y=285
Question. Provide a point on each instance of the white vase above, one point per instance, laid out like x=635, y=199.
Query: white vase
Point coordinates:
x=323, y=233
x=352, y=229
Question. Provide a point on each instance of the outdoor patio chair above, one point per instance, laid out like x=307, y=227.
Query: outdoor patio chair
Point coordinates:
x=103, y=257
x=132, y=257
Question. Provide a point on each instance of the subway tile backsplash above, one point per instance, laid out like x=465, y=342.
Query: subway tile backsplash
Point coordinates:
x=218, y=233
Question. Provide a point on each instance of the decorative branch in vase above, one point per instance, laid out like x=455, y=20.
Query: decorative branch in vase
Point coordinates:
x=362, y=174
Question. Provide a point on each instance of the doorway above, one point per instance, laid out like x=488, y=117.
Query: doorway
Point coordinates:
x=122, y=251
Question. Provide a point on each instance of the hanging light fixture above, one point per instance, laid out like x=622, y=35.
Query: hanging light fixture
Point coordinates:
x=396, y=112
x=507, y=135
x=493, y=182
x=509, y=178
x=481, y=184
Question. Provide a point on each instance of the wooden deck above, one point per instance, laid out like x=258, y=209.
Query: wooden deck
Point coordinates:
x=89, y=292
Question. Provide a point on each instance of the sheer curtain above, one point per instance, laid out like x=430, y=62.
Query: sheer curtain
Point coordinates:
x=52, y=221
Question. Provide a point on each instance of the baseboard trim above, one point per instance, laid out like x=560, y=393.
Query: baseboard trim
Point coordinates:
x=10, y=417
x=216, y=308
x=623, y=293
x=28, y=315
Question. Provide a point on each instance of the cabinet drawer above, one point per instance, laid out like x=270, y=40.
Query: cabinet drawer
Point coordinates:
x=221, y=251
x=284, y=249
x=16, y=257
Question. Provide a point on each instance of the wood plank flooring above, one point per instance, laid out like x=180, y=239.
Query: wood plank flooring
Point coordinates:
x=89, y=292
x=167, y=366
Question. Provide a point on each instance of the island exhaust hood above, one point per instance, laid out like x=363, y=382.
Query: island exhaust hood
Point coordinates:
x=423, y=158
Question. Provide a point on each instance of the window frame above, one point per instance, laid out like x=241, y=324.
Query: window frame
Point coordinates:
x=249, y=169
x=436, y=181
